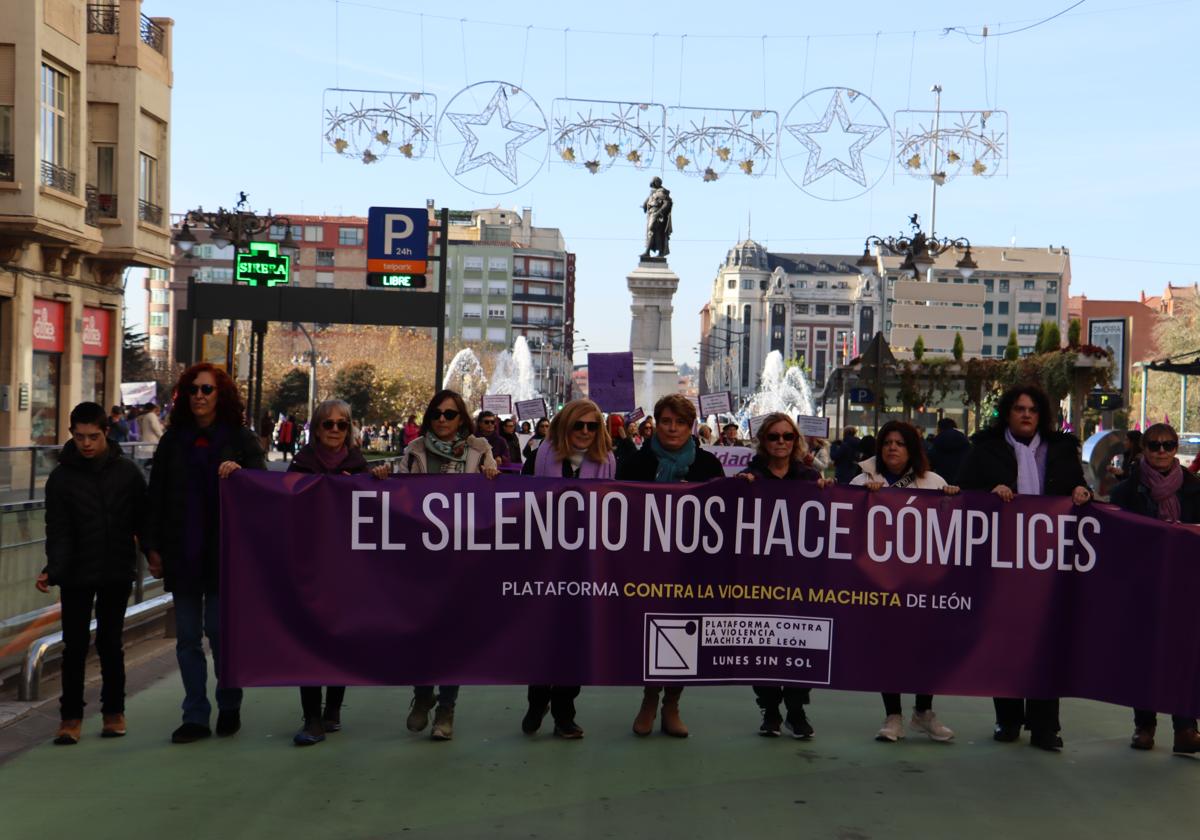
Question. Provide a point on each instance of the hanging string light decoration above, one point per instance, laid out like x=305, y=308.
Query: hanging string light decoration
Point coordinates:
x=711, y=143
x=492, y=137
x=961, y=142
x=597, y=134
x=836, y=143
x=369, y=125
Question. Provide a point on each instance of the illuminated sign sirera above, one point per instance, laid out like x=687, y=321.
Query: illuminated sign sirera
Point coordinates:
x=263, y=266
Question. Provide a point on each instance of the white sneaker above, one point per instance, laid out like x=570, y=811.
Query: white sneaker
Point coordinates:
x=928, y=723
x=892, y=729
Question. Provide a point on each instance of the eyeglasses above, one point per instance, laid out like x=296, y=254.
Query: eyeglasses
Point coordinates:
x=449, y=414
x=1162, y=445
x=201, y=389
x=586, y=426
x=330, y=425
x=775, y=437
x=1025, y=409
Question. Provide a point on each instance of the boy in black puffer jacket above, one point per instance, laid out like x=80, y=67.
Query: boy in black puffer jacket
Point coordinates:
x=95, y=501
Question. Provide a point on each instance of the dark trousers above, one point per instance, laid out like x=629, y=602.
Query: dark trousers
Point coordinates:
x=198, y=614
x=1146, y=719
x=560, y=697
x=791, y=696
x=77, y=602
x=310, y=699
x=893, y=706
x=1037, y=715
x=447, y=695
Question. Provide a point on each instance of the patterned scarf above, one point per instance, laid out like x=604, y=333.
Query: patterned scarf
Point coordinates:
x=673, y=466
x=449, y=450
x=1164, y=489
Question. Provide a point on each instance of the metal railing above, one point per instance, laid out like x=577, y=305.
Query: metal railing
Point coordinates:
x=522, y=321
x=8, y=167
x=153, y=35
x=57, y=177
x=99, y=205
x=148, y=212
x=24, y=469
x=538, y=275
x=527, y=297
x=103, y=18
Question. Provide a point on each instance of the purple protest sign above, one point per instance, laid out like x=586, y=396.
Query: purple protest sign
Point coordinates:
x=430, y=579
x=610, y=381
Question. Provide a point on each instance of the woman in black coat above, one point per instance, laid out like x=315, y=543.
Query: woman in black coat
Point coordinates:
x=671, y=455
x=333, y=451
x=1021, y=453
x=1158, y=487
x=206, y=441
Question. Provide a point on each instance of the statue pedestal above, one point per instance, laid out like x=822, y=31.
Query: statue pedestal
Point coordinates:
x=652, y=285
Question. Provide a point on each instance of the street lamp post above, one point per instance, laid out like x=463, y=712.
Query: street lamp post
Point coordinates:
x=238, y=227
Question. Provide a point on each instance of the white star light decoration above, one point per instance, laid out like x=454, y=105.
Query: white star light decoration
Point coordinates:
x=835, y=144
x=493, y=138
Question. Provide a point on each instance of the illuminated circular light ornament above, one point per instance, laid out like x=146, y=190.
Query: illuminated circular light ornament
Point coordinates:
x=492, y=138
x=836, y=143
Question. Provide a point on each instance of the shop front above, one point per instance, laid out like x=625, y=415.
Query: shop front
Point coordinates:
x=94, y=341
x=48, y=344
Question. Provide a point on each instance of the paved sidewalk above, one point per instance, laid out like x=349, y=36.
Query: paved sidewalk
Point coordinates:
x=376, y=780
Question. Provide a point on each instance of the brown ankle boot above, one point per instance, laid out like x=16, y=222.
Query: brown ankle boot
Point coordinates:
x=114, y=726
x=69, y=732
x=1187, y=741
x=672, y=723
x=643, y=724
x=1143, y=738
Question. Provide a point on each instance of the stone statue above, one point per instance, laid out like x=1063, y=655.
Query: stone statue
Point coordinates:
x=658, y=220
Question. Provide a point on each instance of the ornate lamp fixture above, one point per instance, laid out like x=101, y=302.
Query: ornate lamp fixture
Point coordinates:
x=919, y=252
x=237, y=227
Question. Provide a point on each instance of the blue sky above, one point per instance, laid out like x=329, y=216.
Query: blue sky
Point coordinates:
x=1102, y=127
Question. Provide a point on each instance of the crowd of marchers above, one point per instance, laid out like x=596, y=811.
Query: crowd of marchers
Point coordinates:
x=101, y=511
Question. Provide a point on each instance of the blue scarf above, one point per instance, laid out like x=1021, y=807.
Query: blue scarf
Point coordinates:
x=673, y=466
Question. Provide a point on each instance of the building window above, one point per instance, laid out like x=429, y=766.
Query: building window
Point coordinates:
x=731, y=284
x=989, y=284
x=497, y=263
x=819, y=370
x=106, y=180
x=1030, y=284
x=1002, y=309
x=324, y=256
x=350, y=236
x=747, y=284
x=986, y=350
x=801, y=336
x=822, y=336
x=325, y=279
x=313, y=233
x=497, y=312
x=987, y=307
x=56, y=129
x=801, y=309
x=158, y=319
x=821, y=284
x=498, y=334
x=1051, y=308
x=822, y=308
x=473, y=263
x=502, y=289
x=1003, y=285
x=472, y=333
x=1001, y=330
x=472, y=311
x=802, y=284
x=1052, y=286
x=843, y=310
x=472, y=287
x=1029, y=306
x=1027, y=329
x=159, y=296
x=158, y=343
x=149, y=210
x=987, y=329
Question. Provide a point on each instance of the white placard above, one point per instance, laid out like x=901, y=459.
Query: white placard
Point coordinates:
x=1110, y=334
x=138, y=393
x=499, y=403
x=755, y=422
x=733, y=458
x=718, y=403
x=817, y=427
x=531, y=409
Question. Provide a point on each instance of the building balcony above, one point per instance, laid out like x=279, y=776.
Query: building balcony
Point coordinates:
x=153, y=35
x=525, y=321
x=57, y=177
x=519, y=273
x=103, y=18
x=99, y=205
x=8, y=167
x=150, y=213
x=526, y=297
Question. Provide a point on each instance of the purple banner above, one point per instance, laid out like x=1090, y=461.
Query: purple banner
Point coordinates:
x=610, y=381
x=426, y=579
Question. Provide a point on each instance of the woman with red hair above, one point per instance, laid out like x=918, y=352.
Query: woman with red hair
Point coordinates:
x=206, y=441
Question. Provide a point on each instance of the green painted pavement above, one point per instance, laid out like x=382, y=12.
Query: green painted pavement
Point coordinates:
x=375, y=779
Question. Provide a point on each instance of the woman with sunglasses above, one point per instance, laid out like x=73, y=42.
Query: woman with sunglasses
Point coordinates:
x=645, y=431
x=447, y=445
x=540, y=429
x=508, y=431
x=335, y=451
x=578, y=446
x=205, y=441
x=1158, y=487
x=1022, y=453
x=670, y=456
x=782, y=456
x=900, y=463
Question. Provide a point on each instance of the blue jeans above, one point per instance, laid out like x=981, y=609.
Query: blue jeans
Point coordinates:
x=198, y=615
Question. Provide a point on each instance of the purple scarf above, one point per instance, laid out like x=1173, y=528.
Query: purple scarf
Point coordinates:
x=1164, y=489
x=330, y=459
x=548, y=464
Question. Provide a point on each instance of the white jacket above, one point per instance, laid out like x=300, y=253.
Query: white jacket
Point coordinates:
x=929, y=481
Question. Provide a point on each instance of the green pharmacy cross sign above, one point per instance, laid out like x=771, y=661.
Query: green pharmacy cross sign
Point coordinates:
x=263, y=266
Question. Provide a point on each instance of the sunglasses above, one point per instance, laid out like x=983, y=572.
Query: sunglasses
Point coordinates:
x=330, y=425
x=201, y=389
x=1162, y=445
x=586, y=426
x=775, y=437
x=449, y=414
